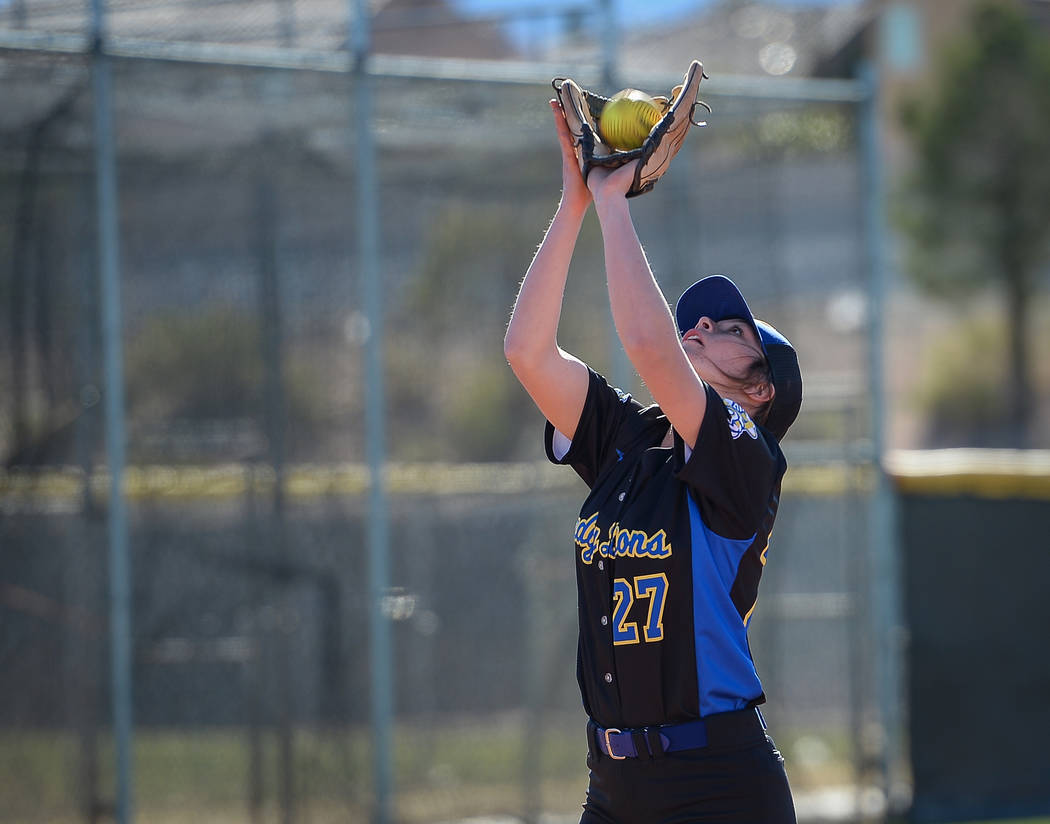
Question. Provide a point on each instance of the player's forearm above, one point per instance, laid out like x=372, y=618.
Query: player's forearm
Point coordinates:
x=533, y=328
x=643, y=321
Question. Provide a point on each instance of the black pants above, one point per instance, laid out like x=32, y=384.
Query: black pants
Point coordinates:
x=735, y=779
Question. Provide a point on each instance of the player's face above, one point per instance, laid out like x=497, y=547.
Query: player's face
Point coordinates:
x=724, y=353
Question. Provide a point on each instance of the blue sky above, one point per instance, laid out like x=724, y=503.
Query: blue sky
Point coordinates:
x=629, y=12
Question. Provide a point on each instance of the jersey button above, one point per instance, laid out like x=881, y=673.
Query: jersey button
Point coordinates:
x=608, y=678
x=601, y=565
x=621, y=496
x=605, y=620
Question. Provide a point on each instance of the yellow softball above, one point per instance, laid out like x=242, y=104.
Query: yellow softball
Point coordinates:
x=627, y=118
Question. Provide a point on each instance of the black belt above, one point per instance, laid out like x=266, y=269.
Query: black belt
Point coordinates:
x=720, y=729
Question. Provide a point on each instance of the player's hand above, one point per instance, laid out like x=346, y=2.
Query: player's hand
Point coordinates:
x=574, y=191
x=611, y=184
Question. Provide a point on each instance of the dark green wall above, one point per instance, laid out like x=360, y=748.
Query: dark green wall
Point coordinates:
x=977, y=602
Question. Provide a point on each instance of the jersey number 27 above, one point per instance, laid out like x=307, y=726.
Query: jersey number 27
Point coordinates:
x=652, y=588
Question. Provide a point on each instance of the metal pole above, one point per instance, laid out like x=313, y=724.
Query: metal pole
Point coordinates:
x=375, y=435
x=610, y=38
x=113, y=394
x=884, y=573
x=620, y=369
x=274, y=416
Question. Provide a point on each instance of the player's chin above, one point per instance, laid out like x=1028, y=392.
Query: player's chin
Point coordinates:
x=694, y=349
x=701, y=366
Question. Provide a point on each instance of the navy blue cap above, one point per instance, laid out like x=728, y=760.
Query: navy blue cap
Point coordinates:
x=718, y=298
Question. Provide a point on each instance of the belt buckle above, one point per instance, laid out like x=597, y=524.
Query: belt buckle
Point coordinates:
x=608, y=744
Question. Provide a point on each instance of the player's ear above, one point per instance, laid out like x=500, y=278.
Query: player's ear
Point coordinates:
x=761, y=392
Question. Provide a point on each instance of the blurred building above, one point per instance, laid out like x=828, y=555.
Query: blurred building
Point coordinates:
x=420, y=27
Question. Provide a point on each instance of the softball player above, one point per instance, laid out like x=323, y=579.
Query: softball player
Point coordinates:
x=672, y=538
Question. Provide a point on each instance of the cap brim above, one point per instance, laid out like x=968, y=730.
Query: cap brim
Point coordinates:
x=715, y=297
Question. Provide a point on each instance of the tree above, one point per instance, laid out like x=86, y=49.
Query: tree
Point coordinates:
x=976, y=209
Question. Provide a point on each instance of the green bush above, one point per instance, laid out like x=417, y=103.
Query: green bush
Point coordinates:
x=963, y=391
x=192, y=371
x=200, y=365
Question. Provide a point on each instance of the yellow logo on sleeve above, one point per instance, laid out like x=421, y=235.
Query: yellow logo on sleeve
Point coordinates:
x=739, y=421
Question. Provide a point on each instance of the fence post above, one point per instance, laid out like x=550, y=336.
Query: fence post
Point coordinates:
x=884, y=574
x=375, y=436
x=113, y=395
x=620, y=370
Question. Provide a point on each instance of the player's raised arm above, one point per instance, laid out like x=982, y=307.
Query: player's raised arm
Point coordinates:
x=640, y=312
x=556, y=380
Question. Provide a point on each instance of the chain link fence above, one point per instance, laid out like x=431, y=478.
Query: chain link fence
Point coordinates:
x=243, y=342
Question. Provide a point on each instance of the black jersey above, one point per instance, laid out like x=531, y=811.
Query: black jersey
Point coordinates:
x=669, y=552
